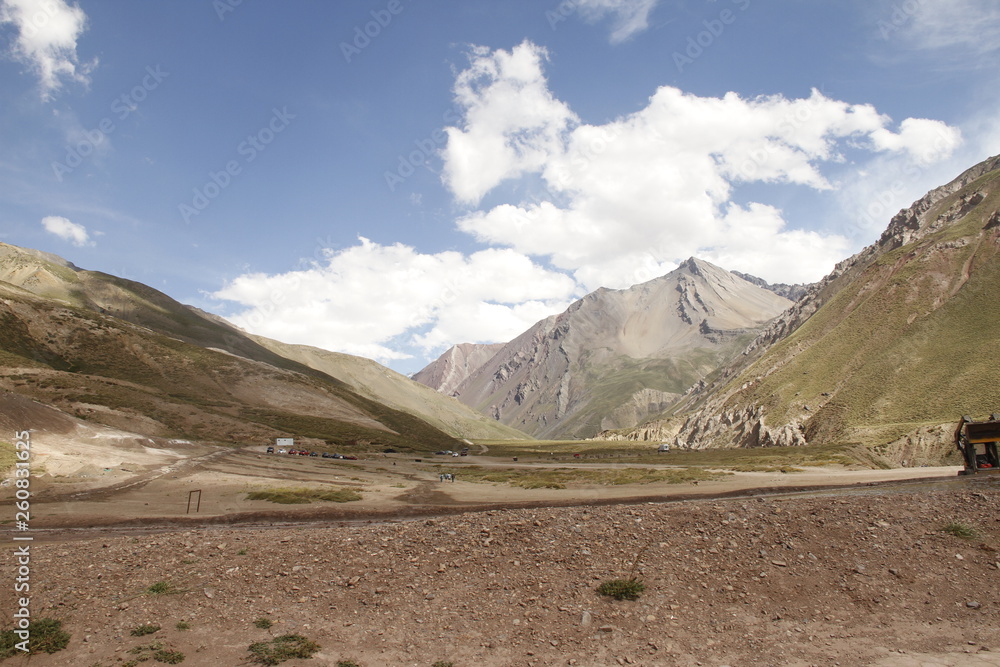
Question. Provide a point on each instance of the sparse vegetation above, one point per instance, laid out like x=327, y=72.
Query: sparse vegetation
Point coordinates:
x=144, y=629
x=157, y=651
x=347, y=663
x=622, y=589
x=263, y=623
x=183, y=625
x=304, y=495
x=962, y=530
x=46, y=636
x=558, y=478
x=443, y=663
x=162, y=588
x=282, y=648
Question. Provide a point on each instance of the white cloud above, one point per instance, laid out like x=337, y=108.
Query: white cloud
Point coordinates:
x=653, y=188
x=512, y=122
x=629, y=16
x=962, y=26
x=374, y=300
x=47, y=33
x=67, y=230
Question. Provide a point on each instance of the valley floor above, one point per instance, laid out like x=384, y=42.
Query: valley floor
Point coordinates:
x=859, y=578
x=747, y=569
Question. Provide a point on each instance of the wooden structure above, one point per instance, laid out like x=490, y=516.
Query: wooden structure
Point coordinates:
x=978, y=440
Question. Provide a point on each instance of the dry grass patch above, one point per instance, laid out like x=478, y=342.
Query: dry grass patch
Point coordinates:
x=289, y=496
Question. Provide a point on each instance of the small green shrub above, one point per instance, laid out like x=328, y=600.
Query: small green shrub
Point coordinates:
x=162, y=588
x=168, y=656
x=144, y=629
x=443, y=663
x=282, y=648
x=622, y=589
x=183, y=625
x=347, y=663
x=45, y=636
x=263, y=623
x=965, y=531
x=157, y=651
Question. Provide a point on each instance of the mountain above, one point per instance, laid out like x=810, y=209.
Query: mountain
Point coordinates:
x=119, y=353
x=887, y=352
x=373, y=380
x=616, y=356
x=452, y=368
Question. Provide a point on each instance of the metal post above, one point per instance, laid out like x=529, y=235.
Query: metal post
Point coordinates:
x=198, y=505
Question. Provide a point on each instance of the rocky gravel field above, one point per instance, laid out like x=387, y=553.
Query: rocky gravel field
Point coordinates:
x=857, y=578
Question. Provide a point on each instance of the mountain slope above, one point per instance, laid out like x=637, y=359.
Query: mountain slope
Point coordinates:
x=889, y=351
x=616, y=356
x=125, y=355
x=377, y=382
x=452, y=368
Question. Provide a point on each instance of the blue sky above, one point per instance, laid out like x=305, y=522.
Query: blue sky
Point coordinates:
x=388, y=178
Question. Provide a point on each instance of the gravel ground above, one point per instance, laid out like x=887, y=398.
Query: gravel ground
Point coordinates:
x=846, y=579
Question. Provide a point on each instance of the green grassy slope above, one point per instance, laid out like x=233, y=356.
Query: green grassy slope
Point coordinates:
x=910, y=342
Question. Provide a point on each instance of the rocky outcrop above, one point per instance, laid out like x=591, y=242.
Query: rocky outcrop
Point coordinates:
x=741, y=427
x=452, y=368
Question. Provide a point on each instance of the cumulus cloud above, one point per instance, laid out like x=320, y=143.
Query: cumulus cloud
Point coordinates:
x=629, y=17
x=650, y=189
x=513, y=124
x=47, y=33
x=374, y=300
x=67, y=230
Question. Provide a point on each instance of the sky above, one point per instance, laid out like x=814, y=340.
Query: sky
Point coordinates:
x=388, y=178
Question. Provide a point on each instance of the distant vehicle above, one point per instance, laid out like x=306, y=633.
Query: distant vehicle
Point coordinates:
x=313, y=454
x=303, y=452
x=327, y=455
x=441, y=453
x=454, y=453
x=270, y=450
x=664, y=447
x=282, y=451
x=388, y=450
x=350, y=458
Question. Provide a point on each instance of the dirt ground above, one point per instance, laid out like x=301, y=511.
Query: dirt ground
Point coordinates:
x=749, y=570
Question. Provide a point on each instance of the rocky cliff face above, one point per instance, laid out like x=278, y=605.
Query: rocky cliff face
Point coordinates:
x=616, y=357
x=451, y=369
x=888, y=348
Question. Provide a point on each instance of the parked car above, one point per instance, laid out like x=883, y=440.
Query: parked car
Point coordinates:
x=282, y=451
x=313, y=454
x=350, y=458
x=270, y=450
